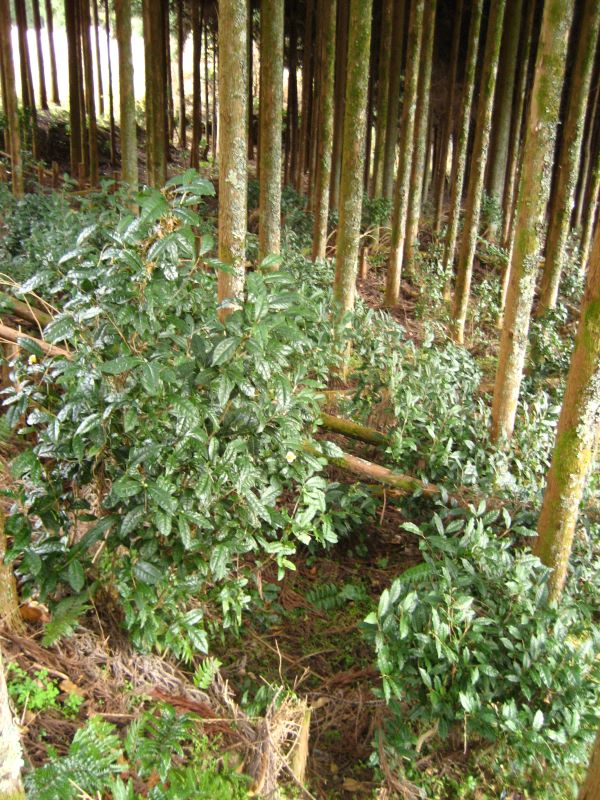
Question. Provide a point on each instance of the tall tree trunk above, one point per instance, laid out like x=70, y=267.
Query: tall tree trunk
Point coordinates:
x=74, y=50
x=439, y=188
x=569, y=156
x=479, y=154
x=37, y=24
x=590, y=790
x=27, y=92
x=11, y=755
x=250, y=59
x=9, y=99
x=341, y=61
x=90, y=104
x=156, y=92
x=462, y=144
x=393, y=104
x=576, y=435
x=127, y=123
x=52, y=51
x=197, y=11
x=168, y=76
x=233, y=150
x=399, y=217
x=292, y=119
x=587, y=151
x=534, y=191
x=111, y=102
x=590, y=219
x=353, y=153
x=307, y=78
x=383, y=91
x=503, y=106
x=206, y=86
x=98, y=59
x=369, y=131
x=271, y=105
x=180, y=47
x=326, y=114
x=215, y=106
x=421, y=139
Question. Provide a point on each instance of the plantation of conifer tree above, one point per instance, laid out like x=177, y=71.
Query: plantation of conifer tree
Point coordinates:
x=300, y=399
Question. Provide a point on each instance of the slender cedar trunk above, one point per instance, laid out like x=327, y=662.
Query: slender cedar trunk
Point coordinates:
x=462, y=143
x=250, y=59
x=383, y=90
x=271, y=105
x=74, y=82
x=206, y=87
x=353, y=153
x=391, y=125
x=98, y=61
x=292, y=116
x=503, y=104
x=9, y=99
x=37, y=24
x=314, y=125
x=52, y=51
x=127, y=124
x=369, y=133
x=326, y=114
x=215, y=106
x=589, y=221
x=421, y=139
x=576, y=435
x=468, y=244
x=27, y=92
x=439, y=188
x=534, y=191
x=111, y=101
x=197, y=12
x=341, y=60
x=168, y=76
x=233, y=150
x=590, y=789
x=11, y=755
x=156, y=92
x=516, y=134
x=84, y=167
x=180, y=47
x=307, y=77
x=399, y=217
x=569, y=157
x=90, y=104
x=587, y=151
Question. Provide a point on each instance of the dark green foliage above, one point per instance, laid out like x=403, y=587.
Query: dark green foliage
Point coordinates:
x=469, y=648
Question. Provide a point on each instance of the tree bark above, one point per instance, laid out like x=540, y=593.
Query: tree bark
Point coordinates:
x=439, y=188
x=11, y=755
x=156, y=92
x=421, y=140
x=590, y=790
x=74, y=49
x=9, y=99
x=27, y=92
x=326, y=115
x=393, y=105
x=590, y=219
x=587, y=152
x=383, y=91
x=576, y=435
x=399, y=217
x=37, y=24
x=206, y=85
x=534, y=191
x=292, y=111
x=111, y=102
x=271, y=106
x=127, y=123
x=180, y=47
x=307, y=80
x=233, y=151
x=98, y=60
x=462, y=144
x=90, y=103
x=569, y=157
x=479, y=155
x=341, y=60
x=353, y=153
x=52, y=51
x=250, y=58
x=197, y=11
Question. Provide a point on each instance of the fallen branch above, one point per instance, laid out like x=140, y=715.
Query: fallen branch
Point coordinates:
x=12, y=335
x=25, y=310
x=353, y=430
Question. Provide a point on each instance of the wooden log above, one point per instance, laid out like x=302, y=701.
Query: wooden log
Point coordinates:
x=25, y=310
x=12, y=335
x=353, y=430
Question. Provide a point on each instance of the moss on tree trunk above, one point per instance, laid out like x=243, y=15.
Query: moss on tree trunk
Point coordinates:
x=479, y=156
x=569, y=157
x=233, y=149
x=534, y=191
x=399, y=216
x=393, y=106
x=590, y=789
x=90, y=103
x=9, y=99
x=383, y=88
x=129, y=165
x=271, y=105
x=578, y=428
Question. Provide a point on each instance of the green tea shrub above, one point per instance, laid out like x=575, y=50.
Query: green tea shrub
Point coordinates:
x=470, y=650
